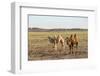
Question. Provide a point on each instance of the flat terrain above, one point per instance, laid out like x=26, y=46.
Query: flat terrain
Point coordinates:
x=39, y=47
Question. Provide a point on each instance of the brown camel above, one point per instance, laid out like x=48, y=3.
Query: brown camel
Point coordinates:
x=71, y=41
x=56, y=40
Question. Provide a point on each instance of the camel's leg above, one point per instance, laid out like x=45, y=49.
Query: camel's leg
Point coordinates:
x=55, y=46
x=63, y=46
x=70, y=48
x=76, y=45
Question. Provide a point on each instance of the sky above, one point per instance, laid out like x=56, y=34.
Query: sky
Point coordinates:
x=51, y=22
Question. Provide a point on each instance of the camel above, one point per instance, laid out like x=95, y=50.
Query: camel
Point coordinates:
x=76, y=40
x=60, y=40
x=71, y=41
x=53, y=41
x=56, y=40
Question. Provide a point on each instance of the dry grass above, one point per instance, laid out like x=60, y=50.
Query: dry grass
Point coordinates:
x=39, y=47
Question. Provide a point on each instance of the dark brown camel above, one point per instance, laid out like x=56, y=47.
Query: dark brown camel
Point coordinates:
x=71, y=41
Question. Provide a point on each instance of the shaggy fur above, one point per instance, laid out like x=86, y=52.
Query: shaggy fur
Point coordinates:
x=56, y=40
x=71, y=41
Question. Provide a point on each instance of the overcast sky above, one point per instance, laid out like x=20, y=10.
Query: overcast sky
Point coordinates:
x=50, y=22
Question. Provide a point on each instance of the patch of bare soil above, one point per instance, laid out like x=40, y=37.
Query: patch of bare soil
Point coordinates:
x=51, y=54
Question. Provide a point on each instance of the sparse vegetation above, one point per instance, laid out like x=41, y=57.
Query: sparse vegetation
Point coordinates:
x=39, y=47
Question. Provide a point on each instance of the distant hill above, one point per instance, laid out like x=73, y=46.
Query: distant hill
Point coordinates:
x=58, y=29
x=37, y=30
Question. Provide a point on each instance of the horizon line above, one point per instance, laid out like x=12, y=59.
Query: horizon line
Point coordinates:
x=57, y=28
